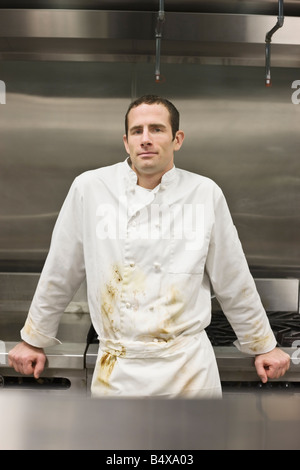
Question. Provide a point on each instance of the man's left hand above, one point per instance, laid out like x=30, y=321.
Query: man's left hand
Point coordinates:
x=272, y=365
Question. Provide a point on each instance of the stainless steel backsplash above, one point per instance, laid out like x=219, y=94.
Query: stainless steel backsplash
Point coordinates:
x=62, y=118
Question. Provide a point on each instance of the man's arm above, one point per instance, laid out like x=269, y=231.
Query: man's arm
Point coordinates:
x=236, y=292
x=272, y=365
x=27, y=359
x=62, y=274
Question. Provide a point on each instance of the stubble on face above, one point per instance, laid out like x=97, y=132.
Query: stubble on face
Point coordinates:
x=150, y=142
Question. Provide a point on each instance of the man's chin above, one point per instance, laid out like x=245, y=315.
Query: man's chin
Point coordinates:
x=146, y=166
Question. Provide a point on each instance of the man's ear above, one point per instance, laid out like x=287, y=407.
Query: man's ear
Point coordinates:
x=126, y=144
x=178, y=141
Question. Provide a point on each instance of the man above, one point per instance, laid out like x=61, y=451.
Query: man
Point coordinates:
x=151, y=239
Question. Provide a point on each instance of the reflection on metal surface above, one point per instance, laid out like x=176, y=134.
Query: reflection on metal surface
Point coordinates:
x=55, y=34
x=279, y=295
x=209, y=6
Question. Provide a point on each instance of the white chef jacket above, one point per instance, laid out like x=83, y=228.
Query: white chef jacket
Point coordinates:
x=150, y=258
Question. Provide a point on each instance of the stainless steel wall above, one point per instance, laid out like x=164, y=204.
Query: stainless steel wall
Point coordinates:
x=62, y=118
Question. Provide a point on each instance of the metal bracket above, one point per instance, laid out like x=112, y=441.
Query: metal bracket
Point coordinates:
x=279, y=24
x=158, y=36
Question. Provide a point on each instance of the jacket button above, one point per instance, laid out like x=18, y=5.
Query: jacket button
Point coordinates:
x=157, y=266
x=127, y=305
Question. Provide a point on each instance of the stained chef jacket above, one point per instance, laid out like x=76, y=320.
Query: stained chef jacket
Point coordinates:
x=151, y=259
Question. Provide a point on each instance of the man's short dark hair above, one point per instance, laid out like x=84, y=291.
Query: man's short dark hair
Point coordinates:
x=154, y=99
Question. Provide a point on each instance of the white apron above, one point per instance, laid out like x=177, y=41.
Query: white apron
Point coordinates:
x=184, y=368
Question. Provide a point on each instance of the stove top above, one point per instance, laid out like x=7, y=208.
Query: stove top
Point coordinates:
x=285, y=325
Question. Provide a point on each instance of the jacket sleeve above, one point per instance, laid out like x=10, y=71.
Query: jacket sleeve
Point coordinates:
x=61, y=276
x=234, y=285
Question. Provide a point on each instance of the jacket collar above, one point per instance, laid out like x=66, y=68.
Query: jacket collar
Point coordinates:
x=166, y=179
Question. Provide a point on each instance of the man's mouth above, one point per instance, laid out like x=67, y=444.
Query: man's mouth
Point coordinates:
x=147, y=154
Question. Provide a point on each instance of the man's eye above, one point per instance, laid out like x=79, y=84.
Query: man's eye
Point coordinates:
x=157, y=129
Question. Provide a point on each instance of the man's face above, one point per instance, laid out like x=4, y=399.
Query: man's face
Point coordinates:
x=150, y=143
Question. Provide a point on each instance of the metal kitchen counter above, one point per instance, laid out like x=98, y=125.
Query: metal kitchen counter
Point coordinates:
x=233, y=364
x=249, y=421
x=64, y=372
x=236, y=366
x=66, y=355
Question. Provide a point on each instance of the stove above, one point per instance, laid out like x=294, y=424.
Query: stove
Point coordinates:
x=285, y=325
x=65, y=371
x=237, y=371
x=70, y=366
x=280, y=298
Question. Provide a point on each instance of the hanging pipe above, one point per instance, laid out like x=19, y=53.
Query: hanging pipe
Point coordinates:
x=158, y=36
x=280, y=20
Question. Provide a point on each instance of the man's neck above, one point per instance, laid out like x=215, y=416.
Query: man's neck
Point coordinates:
x=148, y=181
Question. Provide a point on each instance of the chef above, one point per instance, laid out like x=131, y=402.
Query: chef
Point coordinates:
x=152, y=241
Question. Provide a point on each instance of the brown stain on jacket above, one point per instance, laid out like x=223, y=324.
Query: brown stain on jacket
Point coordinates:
x=107, y=364
x=109, y=297
x=259, y=343
x=175, y=307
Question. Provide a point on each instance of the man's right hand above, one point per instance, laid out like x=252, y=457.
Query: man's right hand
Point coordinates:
x=27, y=359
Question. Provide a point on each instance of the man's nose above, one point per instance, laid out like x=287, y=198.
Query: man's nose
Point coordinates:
x=146, y=140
